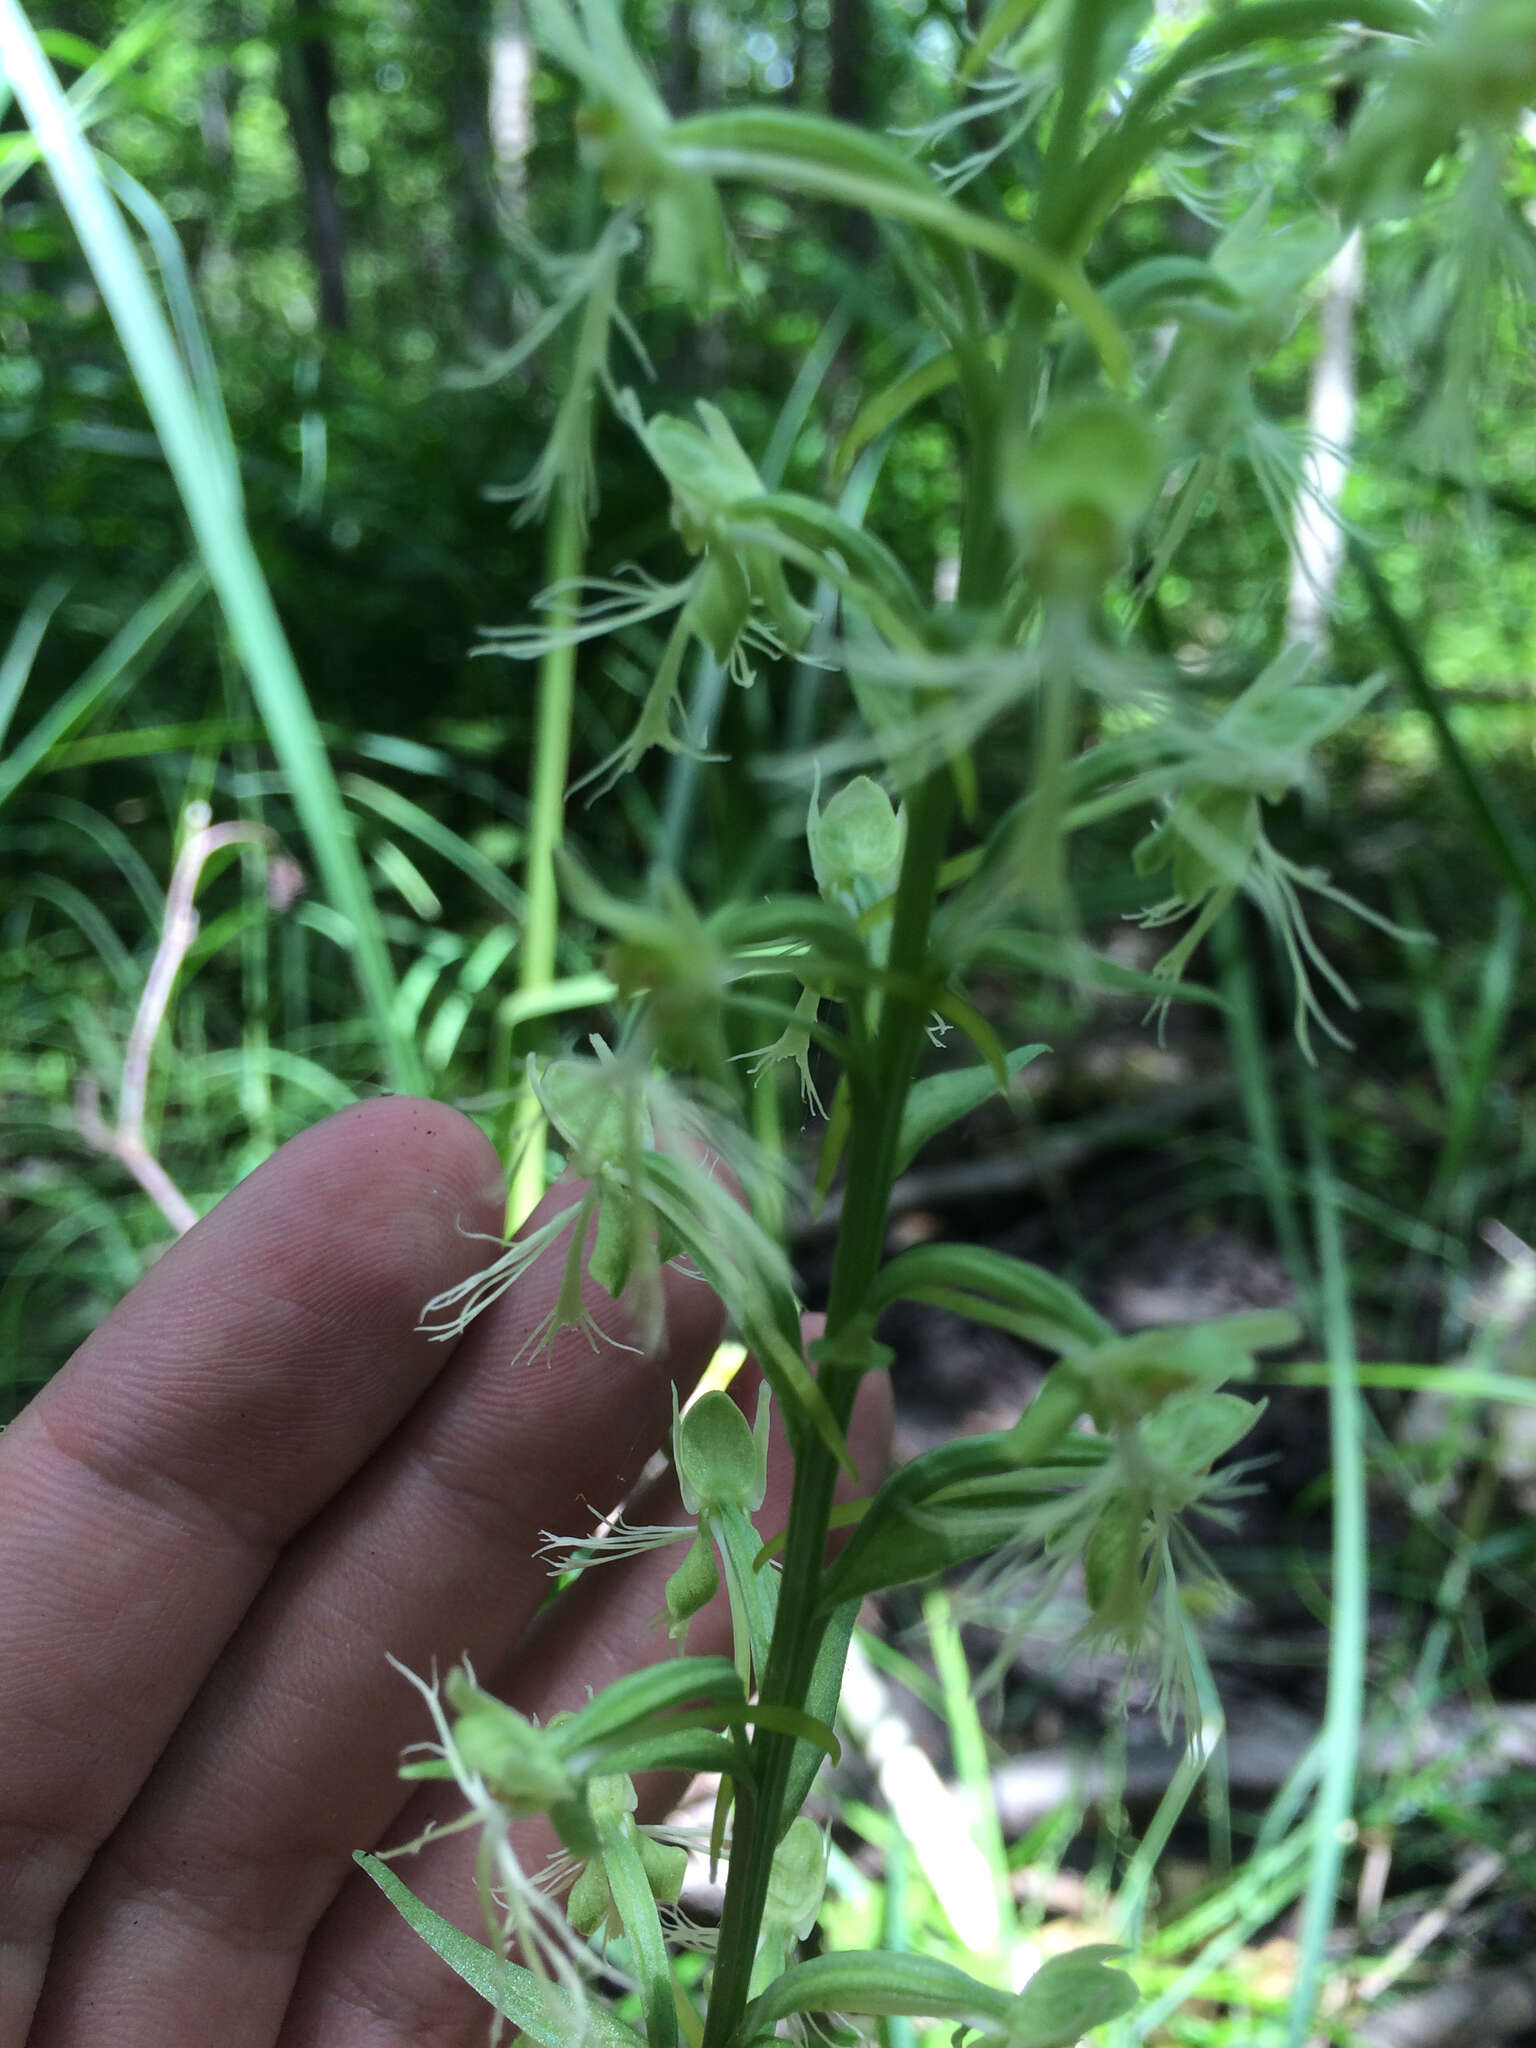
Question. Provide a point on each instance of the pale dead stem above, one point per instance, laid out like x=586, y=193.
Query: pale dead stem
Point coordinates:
x=124, y=1139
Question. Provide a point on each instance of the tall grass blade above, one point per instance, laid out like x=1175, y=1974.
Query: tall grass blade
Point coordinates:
x=1346, y=1648
x=1503, y=838
x=16, y=662
x=1256, y=1081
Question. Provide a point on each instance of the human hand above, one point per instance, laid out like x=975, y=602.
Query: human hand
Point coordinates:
x=255, y=1480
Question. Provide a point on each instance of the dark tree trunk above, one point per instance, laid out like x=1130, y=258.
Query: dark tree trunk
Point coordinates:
x=463, y=27
x=848, y=48
x=680, y=70
x=309, y=80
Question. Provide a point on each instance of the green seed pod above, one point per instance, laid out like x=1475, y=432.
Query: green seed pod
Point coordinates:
x=665, y=1865
x=690, y=255
x=610, y=1795
x=589, y=1901
x=1214, y=834
x=617, y=1242
x=692, y=1586
x=719, y=607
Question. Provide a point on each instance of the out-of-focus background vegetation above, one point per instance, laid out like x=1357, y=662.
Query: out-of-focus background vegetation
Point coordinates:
x=360, y=191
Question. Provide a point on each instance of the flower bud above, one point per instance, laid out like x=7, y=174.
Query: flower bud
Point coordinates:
x=520, y=1762
x=1075, y=490
x=856, y=844
x=721, y=1460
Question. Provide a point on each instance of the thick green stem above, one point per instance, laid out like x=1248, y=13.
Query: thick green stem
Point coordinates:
x=546, y=825
x=880, y=1087
x=1079, y=75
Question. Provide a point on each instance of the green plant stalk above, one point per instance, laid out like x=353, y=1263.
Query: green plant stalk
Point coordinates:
x=546, y=828
x=202, y=469
x=1346, y=1643
x=879, y=1081
x=1080, y=55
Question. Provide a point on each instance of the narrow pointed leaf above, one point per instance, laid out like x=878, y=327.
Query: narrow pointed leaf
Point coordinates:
x=545, y=2012
x=942, y=1099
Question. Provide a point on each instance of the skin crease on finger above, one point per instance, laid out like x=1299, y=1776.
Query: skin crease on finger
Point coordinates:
x=191, y=1923
x=368, y=1981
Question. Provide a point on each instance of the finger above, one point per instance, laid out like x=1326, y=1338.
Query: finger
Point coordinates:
x=252, y=1370
x=194, y=1917
x=368, y=1981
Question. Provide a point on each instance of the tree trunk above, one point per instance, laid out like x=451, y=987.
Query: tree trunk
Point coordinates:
x=680, y=69
x=309, y=80
x=462, y=30
x=1317, y=539
x=848, y=41
x=511, y=102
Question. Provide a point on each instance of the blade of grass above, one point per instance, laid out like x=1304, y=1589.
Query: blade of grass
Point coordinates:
x=1455, y=1382
x=203, y=464
x=1205, y=1746
x=1259, y=1892
x=896, y=2030
x=1490, y=1021
x=110, y=676
x=454, y=1011
x=1458, y=1185
x=1346, y=1646
x=968, y=1746
x=181, y=301
x=407, y=816
x=101, y=68
x=1256, y=1081
x=1503, y=838
x=16, y=662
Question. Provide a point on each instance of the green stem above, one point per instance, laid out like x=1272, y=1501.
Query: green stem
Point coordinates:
x=546, y=825
x=1079, y=73
x=879, y=1086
